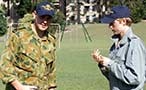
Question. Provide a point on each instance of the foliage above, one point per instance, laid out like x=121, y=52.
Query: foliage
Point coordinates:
x=3, y=22
x=76, y=69
x=51, y=0
x=27, y=18
x=144, y=10
x=24, y=7
x=60, y=19
x=22, y=10
x=137, y=7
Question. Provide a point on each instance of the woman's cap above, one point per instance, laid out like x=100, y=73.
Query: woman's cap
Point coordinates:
x=116, y=12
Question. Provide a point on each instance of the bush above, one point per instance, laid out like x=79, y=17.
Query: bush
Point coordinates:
x=144, y=10
x=60, y=19
x=24, y=7
x=3, y=22
x=137, y=7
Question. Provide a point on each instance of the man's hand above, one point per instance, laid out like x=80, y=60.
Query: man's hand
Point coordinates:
x=18, y=86
x=27, y=87
x=52, y=89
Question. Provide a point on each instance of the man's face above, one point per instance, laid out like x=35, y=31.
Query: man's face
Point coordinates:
x=42, y=22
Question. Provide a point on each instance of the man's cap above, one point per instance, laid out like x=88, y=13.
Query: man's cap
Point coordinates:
x=116, y=12
x=45, y=8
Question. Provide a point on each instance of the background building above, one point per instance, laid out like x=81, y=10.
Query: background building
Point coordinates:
x=85, y=11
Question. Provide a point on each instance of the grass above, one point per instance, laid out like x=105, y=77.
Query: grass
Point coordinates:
x=76, y=69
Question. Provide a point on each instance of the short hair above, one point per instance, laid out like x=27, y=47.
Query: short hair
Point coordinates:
x=128, y=20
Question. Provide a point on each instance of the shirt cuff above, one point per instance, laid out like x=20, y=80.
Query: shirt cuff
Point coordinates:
x=108, y=64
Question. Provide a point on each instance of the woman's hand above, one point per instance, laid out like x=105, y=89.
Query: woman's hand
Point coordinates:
x=96, y=56
x=99, y=58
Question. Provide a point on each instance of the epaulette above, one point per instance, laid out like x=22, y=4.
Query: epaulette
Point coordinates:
x=133, y=37
x=20, y=26
x=52, y=35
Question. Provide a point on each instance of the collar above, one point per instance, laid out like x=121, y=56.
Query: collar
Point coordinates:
x=44, y=38
x=126, y=38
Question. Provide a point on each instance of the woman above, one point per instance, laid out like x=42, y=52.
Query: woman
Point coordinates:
x=125, y=67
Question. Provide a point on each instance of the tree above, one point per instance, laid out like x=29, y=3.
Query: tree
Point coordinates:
x=144, y=10
x=24, y=7
x=3, y=22
x=137, y=8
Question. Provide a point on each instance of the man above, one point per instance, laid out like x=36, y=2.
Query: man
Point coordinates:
x=28, y=62
x=125, y=67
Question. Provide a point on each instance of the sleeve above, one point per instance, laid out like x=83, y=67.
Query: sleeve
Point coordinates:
x=52, y=75
x=104, y=70
x=132, y=71
x=52, y=67
x=7, y=69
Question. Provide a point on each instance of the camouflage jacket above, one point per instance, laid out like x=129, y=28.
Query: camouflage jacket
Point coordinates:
x=29, y=59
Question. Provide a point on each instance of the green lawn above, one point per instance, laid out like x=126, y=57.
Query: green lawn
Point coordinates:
x=76, y=69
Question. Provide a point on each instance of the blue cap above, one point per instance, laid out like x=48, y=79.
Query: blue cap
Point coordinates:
x=45, y=8
x=117, y=12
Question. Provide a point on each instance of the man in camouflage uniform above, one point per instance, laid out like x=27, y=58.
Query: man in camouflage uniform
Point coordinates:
x=28, y=62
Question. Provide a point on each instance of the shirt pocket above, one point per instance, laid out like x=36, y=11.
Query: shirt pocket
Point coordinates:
x=120, y=57
x=27, y=57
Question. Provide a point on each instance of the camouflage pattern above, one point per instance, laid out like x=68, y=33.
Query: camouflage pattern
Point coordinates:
x=29, y=59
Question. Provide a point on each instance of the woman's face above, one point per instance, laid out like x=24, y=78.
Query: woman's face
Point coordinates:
x=42, y=22
x=117, y=26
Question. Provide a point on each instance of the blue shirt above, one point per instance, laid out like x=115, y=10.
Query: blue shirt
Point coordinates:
x=126, y=70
